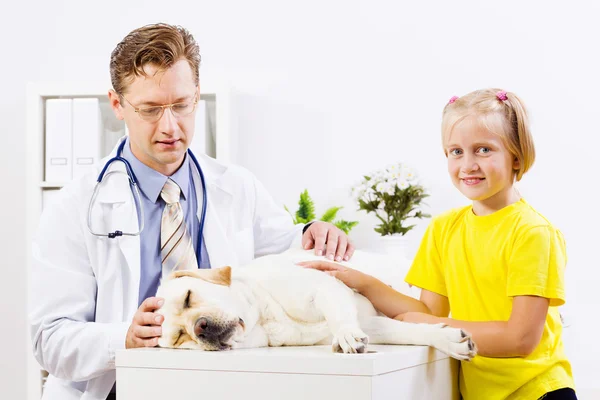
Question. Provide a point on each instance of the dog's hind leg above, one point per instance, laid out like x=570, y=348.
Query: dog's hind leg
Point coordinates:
x=292, y=333
x=452, y=341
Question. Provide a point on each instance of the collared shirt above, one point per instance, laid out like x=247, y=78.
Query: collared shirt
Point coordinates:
x=150, y=184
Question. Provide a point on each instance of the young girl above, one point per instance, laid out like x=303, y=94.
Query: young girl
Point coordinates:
x=497, y=264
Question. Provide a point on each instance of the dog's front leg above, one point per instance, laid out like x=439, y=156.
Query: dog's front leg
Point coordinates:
x=336, y=304
x=452, y=341
x=257, y=337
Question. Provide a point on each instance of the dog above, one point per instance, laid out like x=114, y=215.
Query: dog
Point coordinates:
x=274, y=302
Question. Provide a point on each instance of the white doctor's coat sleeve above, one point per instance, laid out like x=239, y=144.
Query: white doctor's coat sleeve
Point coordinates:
x=274, y=230
x=66, y=341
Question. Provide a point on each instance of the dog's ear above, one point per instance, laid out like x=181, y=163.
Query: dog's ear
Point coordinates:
x=218, y=276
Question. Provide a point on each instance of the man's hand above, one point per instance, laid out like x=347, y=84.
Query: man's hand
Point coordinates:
x=145, y=329
x=328, y=240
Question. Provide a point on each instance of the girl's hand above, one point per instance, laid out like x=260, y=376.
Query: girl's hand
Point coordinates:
x=350, y=277
x=419, y=318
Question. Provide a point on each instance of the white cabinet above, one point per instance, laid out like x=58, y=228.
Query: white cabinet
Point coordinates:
x=212, y=137
x=290, y=373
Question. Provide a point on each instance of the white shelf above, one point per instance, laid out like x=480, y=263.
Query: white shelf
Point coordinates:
x=216, y=96
x=51, y=185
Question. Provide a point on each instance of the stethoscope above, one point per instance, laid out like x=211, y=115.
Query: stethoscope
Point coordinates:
x=133, y=183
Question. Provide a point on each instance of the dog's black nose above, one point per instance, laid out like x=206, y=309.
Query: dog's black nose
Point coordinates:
x=201, y=326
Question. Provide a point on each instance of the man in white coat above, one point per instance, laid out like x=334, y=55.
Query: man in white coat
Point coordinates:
x=94, y=295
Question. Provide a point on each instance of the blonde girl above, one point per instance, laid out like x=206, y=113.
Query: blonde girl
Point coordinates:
x=496, y=265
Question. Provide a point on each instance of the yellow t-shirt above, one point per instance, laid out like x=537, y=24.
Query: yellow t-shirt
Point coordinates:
x=480, y=263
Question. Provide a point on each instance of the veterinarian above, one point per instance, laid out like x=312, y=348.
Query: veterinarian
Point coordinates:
x=99, y=256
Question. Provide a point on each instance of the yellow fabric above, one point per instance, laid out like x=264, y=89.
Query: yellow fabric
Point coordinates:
x=480, y=263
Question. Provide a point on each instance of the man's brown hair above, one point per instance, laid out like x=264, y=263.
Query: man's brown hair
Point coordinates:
x=161, y=45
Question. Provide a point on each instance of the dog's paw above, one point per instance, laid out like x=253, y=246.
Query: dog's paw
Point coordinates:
x=350, y=340
x=455, y=342
x=279, y=334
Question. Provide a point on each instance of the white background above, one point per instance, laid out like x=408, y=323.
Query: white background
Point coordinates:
x=326, y=91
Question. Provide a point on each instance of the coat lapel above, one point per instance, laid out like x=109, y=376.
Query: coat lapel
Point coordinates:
x=120, y=213
x=217, y=224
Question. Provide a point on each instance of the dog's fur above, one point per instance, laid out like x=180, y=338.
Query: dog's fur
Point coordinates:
x=274, y=302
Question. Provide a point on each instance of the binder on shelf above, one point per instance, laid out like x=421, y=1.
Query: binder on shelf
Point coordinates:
x=59, y=132
x=87, y=134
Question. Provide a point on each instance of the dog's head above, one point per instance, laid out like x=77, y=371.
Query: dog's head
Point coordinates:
x=199, y=310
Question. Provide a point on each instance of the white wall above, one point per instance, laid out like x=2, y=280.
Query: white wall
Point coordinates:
x=325, y=91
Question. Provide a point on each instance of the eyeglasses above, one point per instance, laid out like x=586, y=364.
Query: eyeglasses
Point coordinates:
x=154, y=113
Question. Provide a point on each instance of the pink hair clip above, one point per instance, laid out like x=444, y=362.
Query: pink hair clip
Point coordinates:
x=452, y=99
x=501, y=95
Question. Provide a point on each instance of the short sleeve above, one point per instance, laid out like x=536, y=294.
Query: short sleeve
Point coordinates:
x=537, y=265
x=426, y=271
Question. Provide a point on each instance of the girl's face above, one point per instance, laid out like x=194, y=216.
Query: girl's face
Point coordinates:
x=481, y=167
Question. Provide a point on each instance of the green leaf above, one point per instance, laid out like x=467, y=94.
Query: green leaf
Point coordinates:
x=306, y=211
x=368, y=207
x=346, y=226
x=401, y=206
x=330, y=214
x=301, y=220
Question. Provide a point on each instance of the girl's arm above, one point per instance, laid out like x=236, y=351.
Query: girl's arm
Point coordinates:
x=385, y=299
x=389, y=301
x=517, y=337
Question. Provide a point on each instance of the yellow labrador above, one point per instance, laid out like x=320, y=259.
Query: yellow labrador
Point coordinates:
x=274, y=302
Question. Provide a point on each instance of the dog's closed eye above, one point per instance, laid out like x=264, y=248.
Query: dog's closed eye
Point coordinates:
x=186, y=302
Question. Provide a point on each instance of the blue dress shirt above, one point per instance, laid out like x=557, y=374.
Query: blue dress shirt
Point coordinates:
x=150, y=184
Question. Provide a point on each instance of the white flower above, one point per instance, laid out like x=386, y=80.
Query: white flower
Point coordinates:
x=381, y=187
x=367, y=194
x=391, y=190
x=402, y=184
x=381, y=205
x=389, y=176
x=409, y=174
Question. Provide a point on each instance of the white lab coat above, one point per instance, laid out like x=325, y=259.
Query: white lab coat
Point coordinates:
x=84, y=289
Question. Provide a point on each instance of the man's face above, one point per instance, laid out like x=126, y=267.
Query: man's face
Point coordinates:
x=159, y=144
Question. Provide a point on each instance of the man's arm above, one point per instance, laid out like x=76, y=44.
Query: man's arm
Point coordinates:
x=63, y=299
x=273, y=229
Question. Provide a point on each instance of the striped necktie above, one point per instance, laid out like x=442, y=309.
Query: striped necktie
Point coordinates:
x=176, y=248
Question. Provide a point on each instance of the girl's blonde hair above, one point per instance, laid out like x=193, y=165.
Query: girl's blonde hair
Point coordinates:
x=501, y=113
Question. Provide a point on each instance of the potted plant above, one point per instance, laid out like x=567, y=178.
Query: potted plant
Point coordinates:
x=306, y=214
x=394, y=195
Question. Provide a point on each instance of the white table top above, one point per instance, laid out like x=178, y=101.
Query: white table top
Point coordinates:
x=309, y=359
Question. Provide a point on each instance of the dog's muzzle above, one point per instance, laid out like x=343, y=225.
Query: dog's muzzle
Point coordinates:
x=216, y=334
